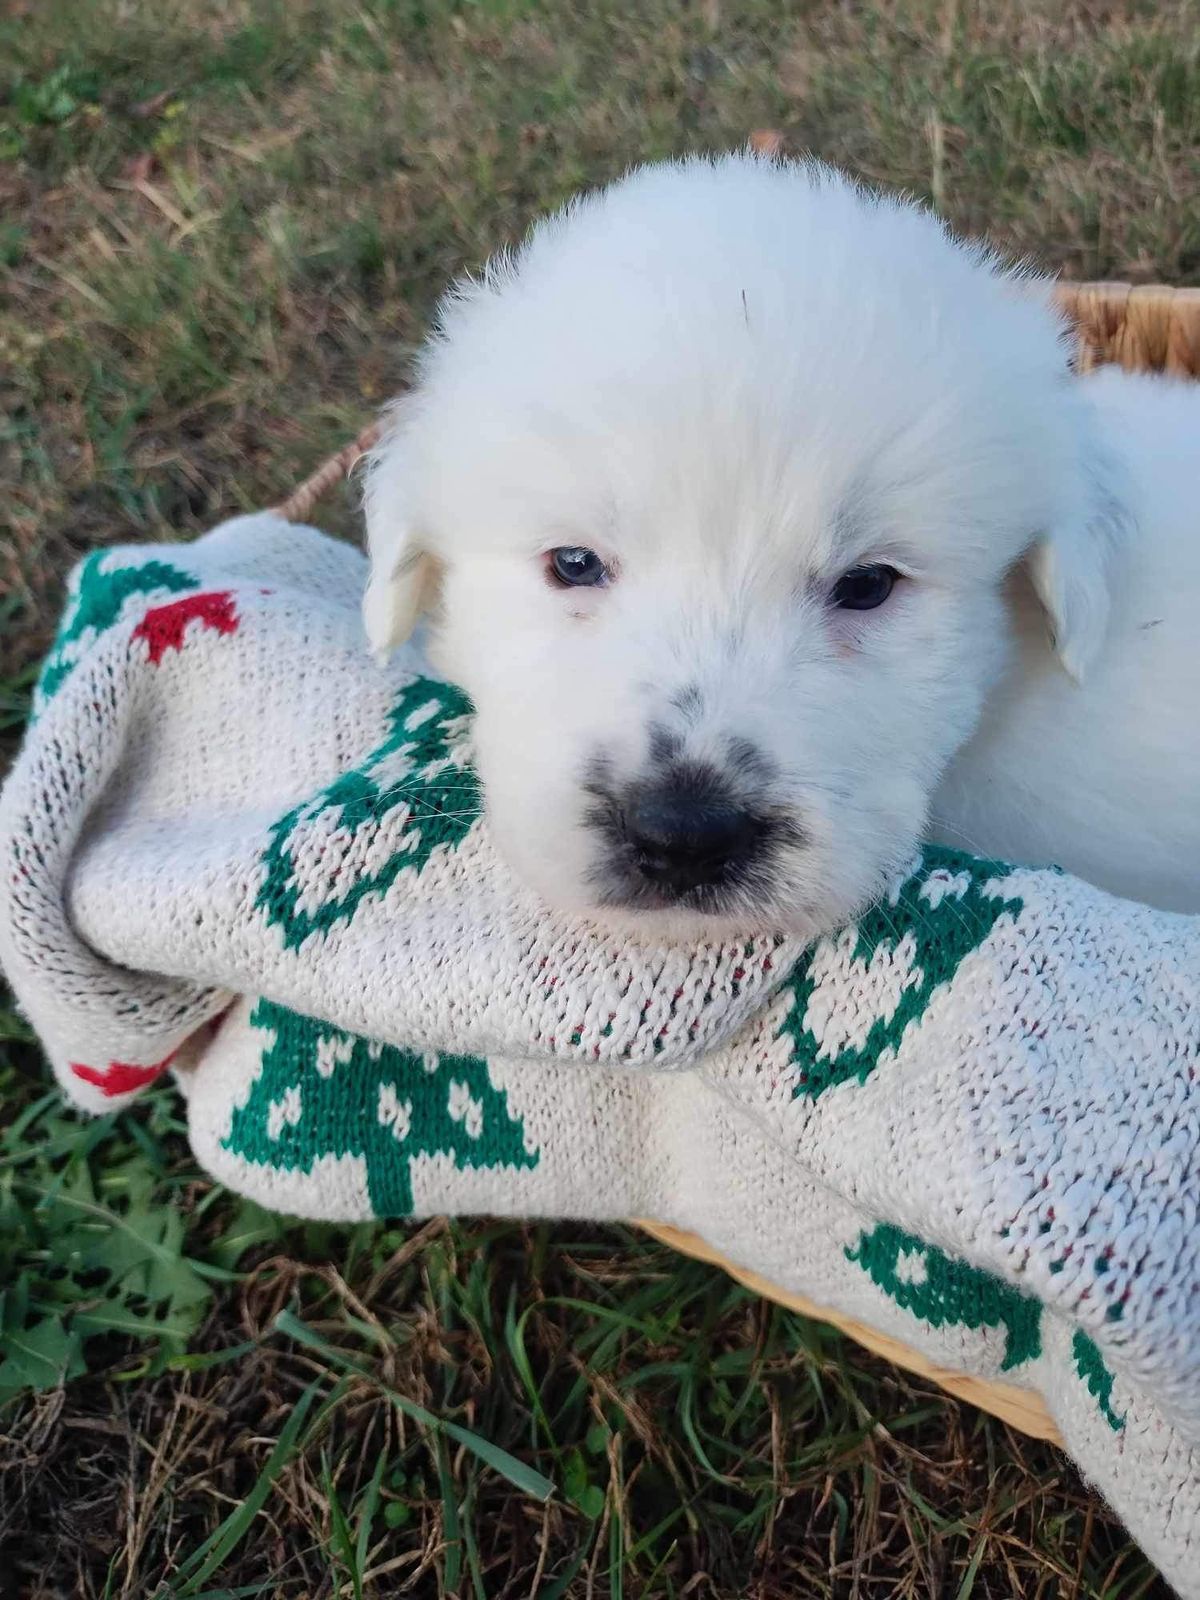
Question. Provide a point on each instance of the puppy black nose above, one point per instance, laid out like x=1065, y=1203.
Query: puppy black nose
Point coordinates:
x=682, y=839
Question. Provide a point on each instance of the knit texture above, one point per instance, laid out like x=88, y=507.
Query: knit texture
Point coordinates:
x=234, y=848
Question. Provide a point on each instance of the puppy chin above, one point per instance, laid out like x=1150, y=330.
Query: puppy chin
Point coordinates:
x=677, y=925
x=680, y=924
x=683, y=925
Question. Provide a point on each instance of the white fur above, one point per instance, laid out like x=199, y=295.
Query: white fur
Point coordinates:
x=735, y=380
x=1103, y=778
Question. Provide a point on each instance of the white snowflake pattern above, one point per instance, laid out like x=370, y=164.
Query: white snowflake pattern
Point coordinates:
x=332, y=1052
x=464, y=1108
x=912, y=1267
x=393, y=1112
x=283, y=1113
x=940, y=883
x=393, y=771
x=457, y=735
x=896, y=885
x=418, y=718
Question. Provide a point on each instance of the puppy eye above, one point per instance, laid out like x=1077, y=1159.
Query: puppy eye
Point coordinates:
x=576, y=567
x=864, y=588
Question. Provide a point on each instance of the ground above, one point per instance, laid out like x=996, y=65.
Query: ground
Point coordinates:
x=223, y=227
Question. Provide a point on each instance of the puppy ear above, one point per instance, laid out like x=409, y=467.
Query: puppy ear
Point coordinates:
x=1073, y=566
x=401, y=586
x=403, y=577
x=1071, y=574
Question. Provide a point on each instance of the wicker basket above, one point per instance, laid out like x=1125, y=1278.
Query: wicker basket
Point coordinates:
x=1145, y=329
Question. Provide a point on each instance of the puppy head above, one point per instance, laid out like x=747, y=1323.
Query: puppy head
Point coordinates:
x=714, y=488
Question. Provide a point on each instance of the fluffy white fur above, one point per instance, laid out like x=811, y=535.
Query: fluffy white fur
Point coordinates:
x=735, y=380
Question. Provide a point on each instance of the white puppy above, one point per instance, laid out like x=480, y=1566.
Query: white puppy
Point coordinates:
x=769, y=533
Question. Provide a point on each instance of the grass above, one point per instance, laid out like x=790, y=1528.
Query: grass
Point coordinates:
x=223, y=227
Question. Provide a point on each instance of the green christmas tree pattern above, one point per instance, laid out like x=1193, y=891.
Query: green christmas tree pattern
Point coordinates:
x=326, y=1093
x=99, y=599
x=1090, y=1366
x=943, y=914
x=947, y=1293
x=414, y=794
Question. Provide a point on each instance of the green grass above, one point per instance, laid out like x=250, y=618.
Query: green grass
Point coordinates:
x=223, y=227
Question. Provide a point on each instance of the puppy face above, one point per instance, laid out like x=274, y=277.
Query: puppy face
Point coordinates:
x=714, y=492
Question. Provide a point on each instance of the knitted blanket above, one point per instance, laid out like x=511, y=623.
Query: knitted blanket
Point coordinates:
x=235, y=847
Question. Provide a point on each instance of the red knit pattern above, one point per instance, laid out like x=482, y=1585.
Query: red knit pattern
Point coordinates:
x=121, y=1077
x=164, y=627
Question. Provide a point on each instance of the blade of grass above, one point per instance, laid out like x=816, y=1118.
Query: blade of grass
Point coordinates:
x=370, y=1505
x=471, y=1544
x=452, y=1532
x=520, y=1475
x=341, y=1530
x=616, y=1563
x=203, y=1360
x=219, y=1545
x=967, y=1586
x=514, y=1338
x=556, y=1590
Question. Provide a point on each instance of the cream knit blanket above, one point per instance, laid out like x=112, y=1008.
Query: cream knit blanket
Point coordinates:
x=234, y=846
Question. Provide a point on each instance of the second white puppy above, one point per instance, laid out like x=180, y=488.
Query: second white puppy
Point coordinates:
x=769, y=533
